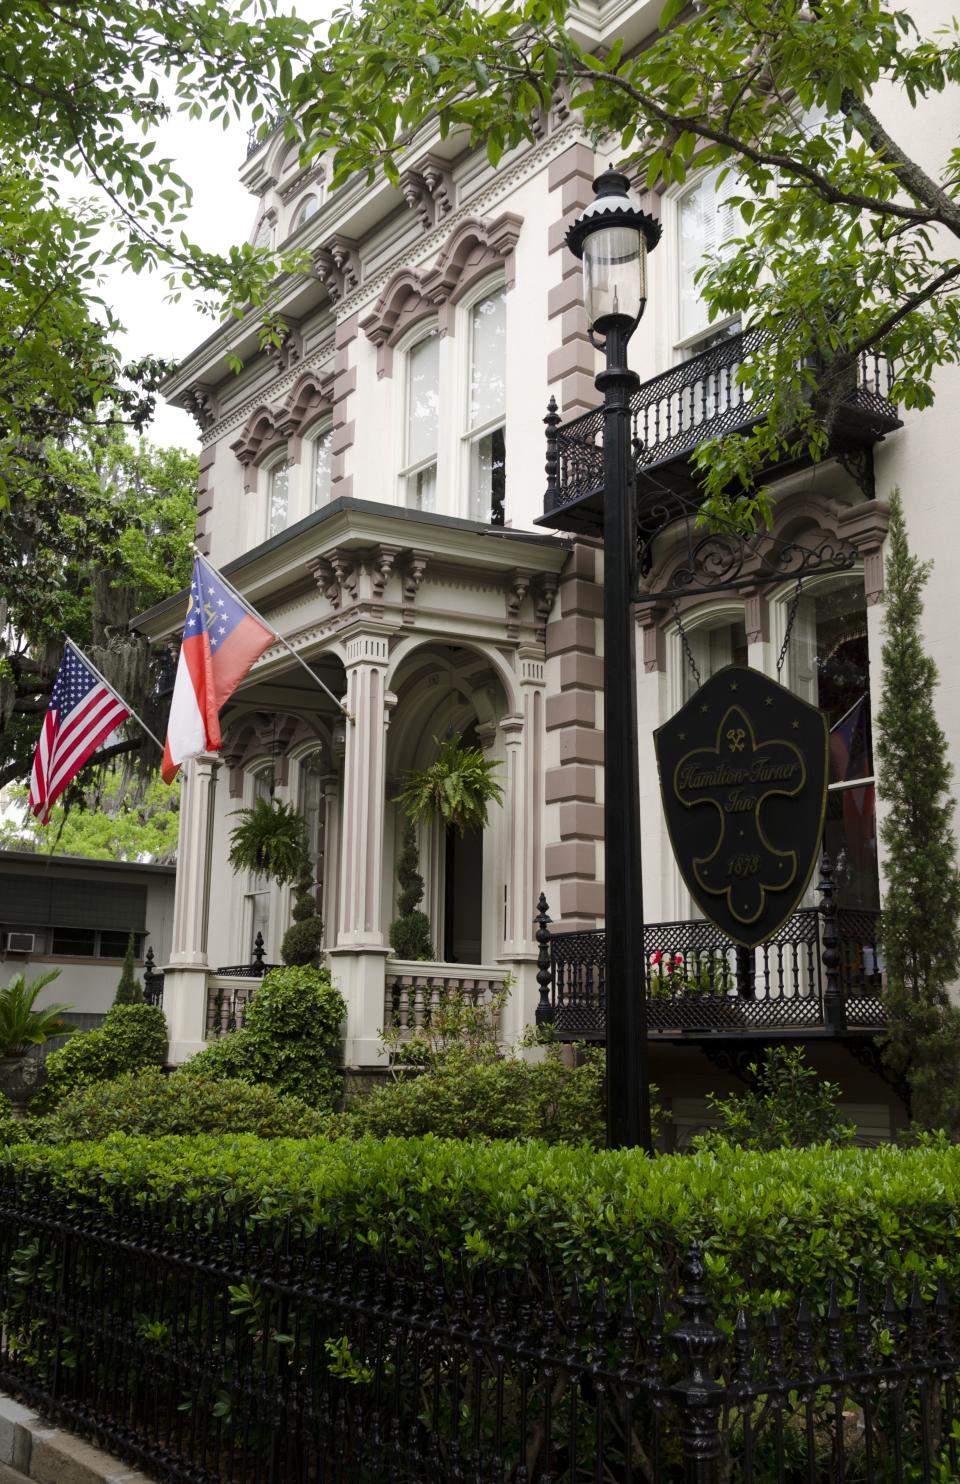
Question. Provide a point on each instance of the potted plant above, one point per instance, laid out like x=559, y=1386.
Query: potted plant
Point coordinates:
x=270, y=840
x=21, y=1026
x=458, y=788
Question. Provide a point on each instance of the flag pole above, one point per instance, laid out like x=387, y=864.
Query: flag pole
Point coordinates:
x=114, y=692
x=341, y=705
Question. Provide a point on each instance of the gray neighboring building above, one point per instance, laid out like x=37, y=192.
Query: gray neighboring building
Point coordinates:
x=76, y=915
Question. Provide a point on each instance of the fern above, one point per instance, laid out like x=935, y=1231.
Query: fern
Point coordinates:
x=271, y=839
x=458, y=788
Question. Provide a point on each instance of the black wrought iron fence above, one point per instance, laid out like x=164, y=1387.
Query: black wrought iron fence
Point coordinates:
x=696, y=977
x=203, y=1347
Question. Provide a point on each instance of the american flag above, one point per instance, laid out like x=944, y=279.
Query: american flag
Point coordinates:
x=83, y=711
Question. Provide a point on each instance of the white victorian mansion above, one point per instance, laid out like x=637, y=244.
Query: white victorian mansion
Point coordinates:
x=373, y=488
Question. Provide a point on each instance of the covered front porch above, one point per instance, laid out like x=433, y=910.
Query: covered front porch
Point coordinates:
x=421, y=628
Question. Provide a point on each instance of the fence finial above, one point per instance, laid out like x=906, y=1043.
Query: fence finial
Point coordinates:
x=544, y=1015
x=699, y=1397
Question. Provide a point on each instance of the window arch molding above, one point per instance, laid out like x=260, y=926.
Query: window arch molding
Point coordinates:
x=475, y=248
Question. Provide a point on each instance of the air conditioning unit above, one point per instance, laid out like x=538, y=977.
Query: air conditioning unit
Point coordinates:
x=20, y=942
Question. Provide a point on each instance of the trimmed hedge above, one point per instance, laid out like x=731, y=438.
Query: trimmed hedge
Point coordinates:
x=131, y=1036
x=291, y=1040
x=150, y=1102
x=464, y=1096
x=774, y=1225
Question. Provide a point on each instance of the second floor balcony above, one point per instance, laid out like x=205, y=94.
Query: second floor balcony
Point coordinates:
x=674, y=413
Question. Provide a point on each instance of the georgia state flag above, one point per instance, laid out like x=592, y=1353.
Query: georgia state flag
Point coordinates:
x=221, y=641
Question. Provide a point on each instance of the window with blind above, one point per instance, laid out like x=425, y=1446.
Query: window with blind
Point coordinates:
x=707, y=223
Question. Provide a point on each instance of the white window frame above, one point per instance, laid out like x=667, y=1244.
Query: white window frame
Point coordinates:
x=407, y=471
x=468, y=435
x=311, y=195
x=310, y=439
x=254, y=885
x=779, y=610
x=685, y=347
x=269, y=468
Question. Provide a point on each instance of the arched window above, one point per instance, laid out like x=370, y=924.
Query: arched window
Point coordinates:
x=713, y=643
x=257, y=896
x=706, y=225
x=320, y=464
x=278, y=495
x=307, y=208
x=311, y=806
x=264, y=237
x=486, y=406
x=422, y=422
x=829, y=666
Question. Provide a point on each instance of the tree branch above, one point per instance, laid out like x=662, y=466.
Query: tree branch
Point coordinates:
x=14, y=771
x=916, y=181
x=768, y=158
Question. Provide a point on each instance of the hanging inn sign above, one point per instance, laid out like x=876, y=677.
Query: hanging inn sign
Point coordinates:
x=743, y=777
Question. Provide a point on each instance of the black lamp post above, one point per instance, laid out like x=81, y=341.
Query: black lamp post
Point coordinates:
x=613, y=237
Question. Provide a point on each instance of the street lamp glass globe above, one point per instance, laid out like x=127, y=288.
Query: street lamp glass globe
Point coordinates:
x=614, y=273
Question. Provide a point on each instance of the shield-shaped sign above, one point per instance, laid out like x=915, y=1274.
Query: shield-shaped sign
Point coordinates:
x=743, y=777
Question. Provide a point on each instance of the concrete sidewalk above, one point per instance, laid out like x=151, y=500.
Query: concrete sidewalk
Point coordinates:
x=34, y=1450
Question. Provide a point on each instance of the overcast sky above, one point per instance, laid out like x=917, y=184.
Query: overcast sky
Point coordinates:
x=209, y=157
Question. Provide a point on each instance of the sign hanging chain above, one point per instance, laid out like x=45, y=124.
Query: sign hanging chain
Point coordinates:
x=791, y=615
x=686, y=643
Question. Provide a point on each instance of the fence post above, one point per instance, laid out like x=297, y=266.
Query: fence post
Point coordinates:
x=698, y=1397
x=258, y=965
x=544, y=1015
x=834, y=1000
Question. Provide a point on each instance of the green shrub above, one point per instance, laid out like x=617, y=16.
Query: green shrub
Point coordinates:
x=791, y=1106
x=131, y=1036
x=150, y=1102
x=291, y=1040
x=468, y=1096
x=773, y=1225
x=303, y=943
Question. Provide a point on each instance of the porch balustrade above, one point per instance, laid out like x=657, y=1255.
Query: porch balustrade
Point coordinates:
x=414, y=992
x=697, y=979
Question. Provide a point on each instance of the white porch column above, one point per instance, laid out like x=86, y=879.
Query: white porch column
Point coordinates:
x=360, y=951
x=523, y=799
x=185, y=977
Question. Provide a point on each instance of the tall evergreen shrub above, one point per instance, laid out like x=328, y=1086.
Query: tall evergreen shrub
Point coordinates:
x=129, y=990
x=410, y=932
x=921, y=910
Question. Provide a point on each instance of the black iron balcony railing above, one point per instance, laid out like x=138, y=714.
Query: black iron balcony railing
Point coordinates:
x=698, y=400
x=698, y=980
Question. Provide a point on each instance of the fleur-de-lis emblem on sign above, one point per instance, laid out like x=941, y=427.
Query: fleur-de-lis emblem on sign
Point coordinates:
x=737, y=737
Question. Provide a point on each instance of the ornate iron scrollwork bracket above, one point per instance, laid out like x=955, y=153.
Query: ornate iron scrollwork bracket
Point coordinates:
x=722, y=561
x=857, y=460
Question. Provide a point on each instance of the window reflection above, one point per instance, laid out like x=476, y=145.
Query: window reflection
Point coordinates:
x=830, y=667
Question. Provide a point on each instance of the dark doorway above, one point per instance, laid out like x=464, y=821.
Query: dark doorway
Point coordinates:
x=463, y=897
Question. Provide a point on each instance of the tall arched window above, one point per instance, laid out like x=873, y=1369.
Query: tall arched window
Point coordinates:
x=829, y=665
x=320, y=465
x=422, y=423
x=487, y=405
x=311, y=806
x=257, y=896
x=278, y=495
